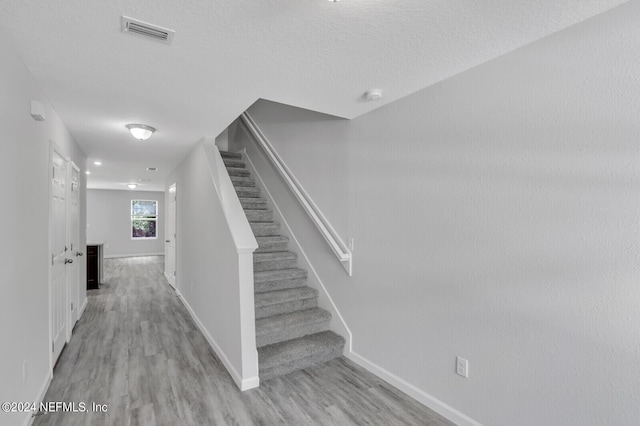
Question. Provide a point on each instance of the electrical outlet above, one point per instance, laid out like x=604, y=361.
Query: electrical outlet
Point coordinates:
x=24, y=371
x=462, y=367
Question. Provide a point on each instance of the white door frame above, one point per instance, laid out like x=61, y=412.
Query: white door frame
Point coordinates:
x=171, y=234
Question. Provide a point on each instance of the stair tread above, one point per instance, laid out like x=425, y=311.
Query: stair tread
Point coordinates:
x=280, y=274
x=272, y=239
x=230, y=162
x=229, y=154
x=277, y=323
x=247, y=191
x=247, y=188
x=259, y=215
x=253, y=200
x=284, y=296
x=279, y=353
x=238, y=171
x=276, y=255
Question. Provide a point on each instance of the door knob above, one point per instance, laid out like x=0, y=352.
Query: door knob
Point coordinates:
x=68, y=261
x=79, y=253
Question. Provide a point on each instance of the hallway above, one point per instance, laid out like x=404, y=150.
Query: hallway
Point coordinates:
x=136, y=350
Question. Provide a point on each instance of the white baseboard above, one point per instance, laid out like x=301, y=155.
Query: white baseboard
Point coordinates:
x=84, y=306
x=41, y=393
x=243, y=383
x=114, y=256
x=418, y=394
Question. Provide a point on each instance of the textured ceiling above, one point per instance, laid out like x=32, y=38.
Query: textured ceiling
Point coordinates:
x=313, y=54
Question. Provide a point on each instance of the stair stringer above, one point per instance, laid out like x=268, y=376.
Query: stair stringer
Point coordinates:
x=337, y=324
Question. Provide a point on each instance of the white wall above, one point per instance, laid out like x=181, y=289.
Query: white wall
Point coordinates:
x=215, y=264
x=109, y=221
x=496, y=217
x=24, y=252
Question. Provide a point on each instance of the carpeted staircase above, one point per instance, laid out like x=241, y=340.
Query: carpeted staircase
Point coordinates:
x=292, y=333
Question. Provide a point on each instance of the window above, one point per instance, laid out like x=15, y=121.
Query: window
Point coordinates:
x=144, y=217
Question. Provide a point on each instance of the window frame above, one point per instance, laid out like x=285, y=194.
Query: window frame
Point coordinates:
x=133, y=217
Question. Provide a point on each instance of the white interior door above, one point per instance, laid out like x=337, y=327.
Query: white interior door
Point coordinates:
x=59, y=294
x=73, y=231
x=170, y=240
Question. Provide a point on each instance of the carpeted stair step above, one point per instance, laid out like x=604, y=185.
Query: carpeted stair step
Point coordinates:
x=232, y=155
x=243, y=181
x=236, y=171
x=291, y=331
x=285, y=357
x=279, y=328
x=247, y=192
x=262, y=215
x=253, y=203
x=231, y=162
x=284, y=301
x=274, y=261
x=273, y=243
x=265, y=229
x=278, y=280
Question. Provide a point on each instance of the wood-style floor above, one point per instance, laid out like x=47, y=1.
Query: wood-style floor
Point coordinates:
x=136, y=350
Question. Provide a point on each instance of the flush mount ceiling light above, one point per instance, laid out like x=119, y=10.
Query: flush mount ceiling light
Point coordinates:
x=88, y=172
x=98, y=163
x=141, y=132
x=132, y=186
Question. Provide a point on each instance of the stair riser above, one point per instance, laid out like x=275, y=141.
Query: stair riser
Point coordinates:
x=248, y=205
x=247, y=193
x=273, y=265
x=291, y=333
x=259, y=215
x=284, y=308
x=265, y=231
x=279, y=284
x=229, y=162
x=239, y=172
x=241, y=181
x=231, y=155
x=279, y=370
x=272, y=247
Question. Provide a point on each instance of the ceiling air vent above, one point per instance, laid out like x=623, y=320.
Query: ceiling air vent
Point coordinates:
x=145, y=29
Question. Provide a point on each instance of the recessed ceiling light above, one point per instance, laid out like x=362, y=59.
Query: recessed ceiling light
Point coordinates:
x=98, y=163
x=87, y=172
x=142, y=132
x=132, y=186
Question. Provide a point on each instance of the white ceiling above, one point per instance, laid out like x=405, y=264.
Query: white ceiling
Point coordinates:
x=313, y=54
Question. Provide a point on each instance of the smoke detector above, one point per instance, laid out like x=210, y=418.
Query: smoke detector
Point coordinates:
x=145, y=29
x=373, y=95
